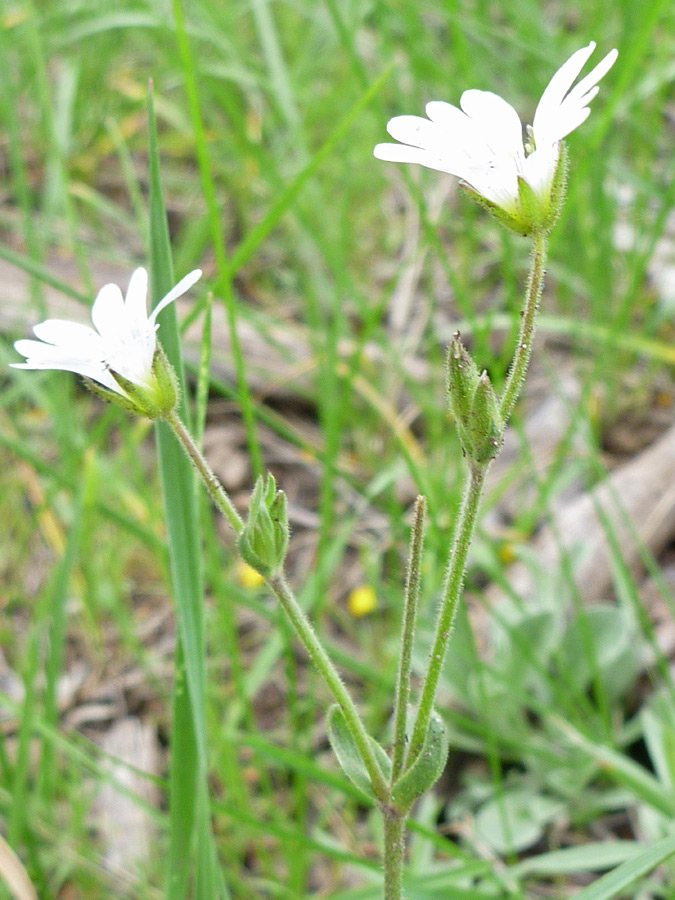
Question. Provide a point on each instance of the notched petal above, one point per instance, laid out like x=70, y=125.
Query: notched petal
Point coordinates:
x=107, y=313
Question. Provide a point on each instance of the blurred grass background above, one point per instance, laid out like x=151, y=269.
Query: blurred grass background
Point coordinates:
x=267, y=116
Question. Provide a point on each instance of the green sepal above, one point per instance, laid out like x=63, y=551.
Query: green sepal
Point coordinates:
x=347, y=753
x=558, y=187
x=507, y=217
x=166, y=379
x=484, y=429
x=110, y=396
x=264, y=541
x=532, y=213
x=155, y=400
x=463, y=378
x=426, y=769
x=473, y=405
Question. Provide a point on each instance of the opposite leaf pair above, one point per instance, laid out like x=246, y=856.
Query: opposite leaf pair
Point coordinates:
x=419, y=775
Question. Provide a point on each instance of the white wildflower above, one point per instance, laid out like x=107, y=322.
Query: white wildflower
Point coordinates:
x=119, y=353
x=482, y=143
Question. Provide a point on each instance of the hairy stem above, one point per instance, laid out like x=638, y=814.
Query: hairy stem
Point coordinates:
x=321, y=660
x=452, y=590
x=412, y=593
x=393, y=857
x=209, y=478
x=528, y=315
x=294, y=612
x=472, y=493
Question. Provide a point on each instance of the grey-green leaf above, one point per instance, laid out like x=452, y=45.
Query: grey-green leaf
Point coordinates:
x=347, y=753
x=426, y=769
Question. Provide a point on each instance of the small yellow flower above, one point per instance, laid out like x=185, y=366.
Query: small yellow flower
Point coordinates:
x=248, y=577
x=361, y=601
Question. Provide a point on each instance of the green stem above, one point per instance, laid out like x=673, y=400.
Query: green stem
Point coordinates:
x=451, y=593
x=209, y=478
x=321, y=660
x=412, y=593
x=528, y=315
x=472, y=494
x=291, y=607
x=393, y=857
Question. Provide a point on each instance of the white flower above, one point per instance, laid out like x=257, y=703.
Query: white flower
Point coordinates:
x=119, y=354
x=482, y=143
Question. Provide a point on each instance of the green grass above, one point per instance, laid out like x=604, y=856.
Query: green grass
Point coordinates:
x=266, y=119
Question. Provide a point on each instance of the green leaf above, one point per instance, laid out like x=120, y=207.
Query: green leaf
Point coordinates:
x=620, y=879
x=592, y=857
x=515, y=820
x=426, y=769
x=347, y=753
x=620, y=769
x=616, y=652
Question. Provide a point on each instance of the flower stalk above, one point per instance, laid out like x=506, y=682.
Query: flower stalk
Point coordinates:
x=528, y=316
x=394, y=851
x=277, y=583
x=411, y=602
x=452, y=590
x=321, y=660
x=210, y=480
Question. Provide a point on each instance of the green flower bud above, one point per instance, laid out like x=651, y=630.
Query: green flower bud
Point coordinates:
x=264, y=541
x=473, y=405
x=484, y=428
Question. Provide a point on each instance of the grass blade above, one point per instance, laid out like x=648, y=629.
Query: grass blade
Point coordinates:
x=617, y=881
x=217, y=237
x=189, y=814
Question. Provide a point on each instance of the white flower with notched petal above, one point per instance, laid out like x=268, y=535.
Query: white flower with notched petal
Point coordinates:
x=122, y=353
x=482, y=143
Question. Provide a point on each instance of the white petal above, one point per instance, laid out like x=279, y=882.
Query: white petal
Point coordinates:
x=594, y=76
x=447, y=115
x=62, y=333
x=418, y=132
x=181, y=288
x=108, y=314
x=540, y=167
x=43, y=356
x=399, y=153
x=38, y=352
x=499, y=184
x=461, y=131
x=497, y=120
x=136, y=302
x=440, y=162
x=558, y=86
x=569, y=121
x=584, y=100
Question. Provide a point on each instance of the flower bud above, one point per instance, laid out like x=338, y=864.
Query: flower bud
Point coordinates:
x=264, y=540
x=484, y=424
x=473, y=405
x=463, y=378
